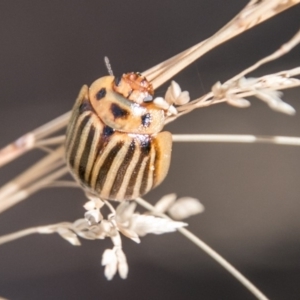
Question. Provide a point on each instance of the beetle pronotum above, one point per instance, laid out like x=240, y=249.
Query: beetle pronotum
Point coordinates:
x=114, y=146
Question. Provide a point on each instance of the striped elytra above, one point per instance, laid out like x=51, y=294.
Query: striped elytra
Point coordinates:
x=114, y=147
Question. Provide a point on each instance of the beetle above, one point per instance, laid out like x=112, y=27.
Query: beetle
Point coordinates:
x=114, y=145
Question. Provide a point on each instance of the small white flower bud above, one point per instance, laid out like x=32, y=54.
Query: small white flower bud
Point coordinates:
x=165, y=203
x=185, y=207
x=93, y=216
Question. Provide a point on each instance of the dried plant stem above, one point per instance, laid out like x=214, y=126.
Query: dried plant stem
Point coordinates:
x=26, y=183
x=247, y=91
x=52, y=126
x=56, y=227
x=236, y=138
x=252, y=15
x=45, y=165
x=36, y=177
x=262, y=12
x=33, y=139
x=24, y=193
x=51, y=141
x=239, y=92
x=47, y=229
x=219, y=259
x=19, y=234
x=212, y=253
x=62, y=183
x=284, y=49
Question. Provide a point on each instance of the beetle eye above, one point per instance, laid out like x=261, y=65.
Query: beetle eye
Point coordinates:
x=148, y=98
x=101, y=94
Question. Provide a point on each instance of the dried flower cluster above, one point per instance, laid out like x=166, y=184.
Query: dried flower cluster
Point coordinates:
x=173, y=96
x=122, y=220
x=266, y=88
x=262, y=88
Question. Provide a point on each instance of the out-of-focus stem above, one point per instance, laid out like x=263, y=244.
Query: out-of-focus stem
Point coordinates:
x=33, y=139
x=19, y=188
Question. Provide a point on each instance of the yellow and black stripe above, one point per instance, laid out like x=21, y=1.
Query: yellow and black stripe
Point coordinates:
x=113, y=165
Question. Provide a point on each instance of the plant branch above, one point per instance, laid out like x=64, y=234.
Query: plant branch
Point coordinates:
x=236, y=138
x=47, y=229
x=33, y=179
x=253, y=14
x=33, y=139
x=284, y=49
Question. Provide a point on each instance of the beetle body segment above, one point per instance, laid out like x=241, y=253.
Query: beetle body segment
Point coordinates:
x=113, y=145
x=121, y=113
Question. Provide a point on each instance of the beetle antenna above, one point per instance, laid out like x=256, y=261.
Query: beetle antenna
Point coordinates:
x=108, y=66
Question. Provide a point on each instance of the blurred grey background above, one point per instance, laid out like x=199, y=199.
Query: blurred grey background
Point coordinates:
x=49, y=49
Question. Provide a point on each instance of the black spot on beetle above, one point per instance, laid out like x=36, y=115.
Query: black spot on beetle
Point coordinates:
x=146, y=120
x=108, y=131
x=118, y=112
x=84, y=106
x=101, y=94
x=145, y=144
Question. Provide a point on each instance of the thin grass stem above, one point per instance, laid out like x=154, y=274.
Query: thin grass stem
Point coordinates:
x=57, y=140
x=14, y=190
x=236, y=138
x=28, y=141
x=252, y=15
x=63, y=184
x=284, y=49
x=23, y=193
x=212, y=253
x=47, y=229
x=26, y=184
